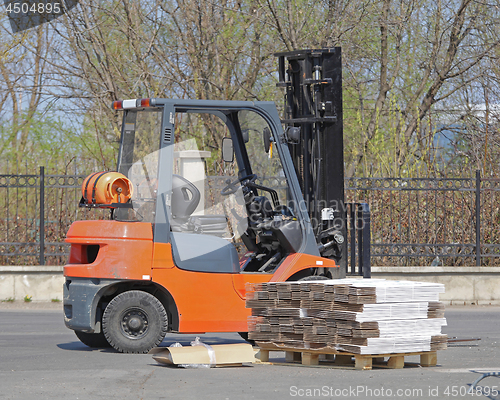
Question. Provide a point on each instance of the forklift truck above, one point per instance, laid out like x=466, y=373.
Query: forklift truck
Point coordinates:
x=209, y=197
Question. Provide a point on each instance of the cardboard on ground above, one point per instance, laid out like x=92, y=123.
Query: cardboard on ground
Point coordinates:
x=225, y=355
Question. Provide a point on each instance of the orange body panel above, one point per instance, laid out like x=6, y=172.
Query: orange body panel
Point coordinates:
x=162, y=256
x=297, y=262
x=215, y=302
x=206, y=302
x=125, y=250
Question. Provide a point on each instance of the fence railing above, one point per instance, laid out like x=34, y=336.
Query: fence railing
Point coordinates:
x=432, y=221
x=31, y=204
x=414, y=221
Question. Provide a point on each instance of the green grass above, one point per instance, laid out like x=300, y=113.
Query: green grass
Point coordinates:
x=9, y=300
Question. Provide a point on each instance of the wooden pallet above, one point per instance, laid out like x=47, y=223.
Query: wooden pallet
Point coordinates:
x=311, y=357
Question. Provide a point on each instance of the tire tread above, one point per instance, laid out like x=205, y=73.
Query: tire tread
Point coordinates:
x=93, y=340
x=143, y=299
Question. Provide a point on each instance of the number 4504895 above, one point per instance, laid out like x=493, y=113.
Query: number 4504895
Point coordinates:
x=34, y=8
x=454, y=391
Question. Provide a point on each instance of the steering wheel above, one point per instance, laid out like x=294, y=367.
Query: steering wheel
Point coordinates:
x=232, y=188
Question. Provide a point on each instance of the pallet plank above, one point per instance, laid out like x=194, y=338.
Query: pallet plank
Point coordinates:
x=361, y=362
x=396, y=362
x=263, y=356
x=311, y=357
x=428, y=359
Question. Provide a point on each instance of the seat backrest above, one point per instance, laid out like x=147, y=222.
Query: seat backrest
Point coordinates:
x=185, y=198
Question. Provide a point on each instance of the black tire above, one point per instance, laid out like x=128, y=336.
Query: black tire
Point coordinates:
x=134, y=322
x=244, y=336
x=314, y=278
x=94, y=340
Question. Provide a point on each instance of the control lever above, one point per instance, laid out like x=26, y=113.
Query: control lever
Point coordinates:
x=323, y=247
x=273, y=259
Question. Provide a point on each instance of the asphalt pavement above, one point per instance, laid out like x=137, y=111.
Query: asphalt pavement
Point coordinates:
x=41, y=359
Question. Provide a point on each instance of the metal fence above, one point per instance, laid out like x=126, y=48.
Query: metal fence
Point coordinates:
x=431, y=221
x=30, y=204
x=414, y=221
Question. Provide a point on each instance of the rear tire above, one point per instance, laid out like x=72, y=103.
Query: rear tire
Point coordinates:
x=134, y=322
x=94, y=340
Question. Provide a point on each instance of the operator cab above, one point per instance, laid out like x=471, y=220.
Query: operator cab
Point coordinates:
x=213, y=183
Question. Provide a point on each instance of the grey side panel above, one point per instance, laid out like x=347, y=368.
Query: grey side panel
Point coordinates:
x=204, y=253
x=80, y=298
x=165, y=172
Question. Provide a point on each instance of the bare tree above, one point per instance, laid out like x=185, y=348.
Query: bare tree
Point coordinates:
x=401, y=59
x=404, y=61
x=105, y=54
x=22, y=67
x=448, y=55
x=220, y=48
x=128, y=49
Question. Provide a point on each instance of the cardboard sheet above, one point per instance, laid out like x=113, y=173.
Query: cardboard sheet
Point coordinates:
x=225, y=354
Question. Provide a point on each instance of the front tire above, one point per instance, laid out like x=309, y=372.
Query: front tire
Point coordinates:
x=134, y=322
x=313, y=278
x=94, y=340
x=244, y=336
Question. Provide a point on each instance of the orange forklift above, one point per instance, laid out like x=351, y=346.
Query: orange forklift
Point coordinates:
x=210, y=196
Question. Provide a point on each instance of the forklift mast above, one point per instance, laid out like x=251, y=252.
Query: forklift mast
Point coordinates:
x=314, y=132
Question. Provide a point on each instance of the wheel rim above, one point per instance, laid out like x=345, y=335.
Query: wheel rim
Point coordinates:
x=134, y=323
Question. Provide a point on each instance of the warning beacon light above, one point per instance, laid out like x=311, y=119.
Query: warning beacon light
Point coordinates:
x=132, y=103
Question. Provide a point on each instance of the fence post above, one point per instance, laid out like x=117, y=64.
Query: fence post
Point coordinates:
x=478, y=218
x=364, y=240
x=42, y=216
x=352, y=219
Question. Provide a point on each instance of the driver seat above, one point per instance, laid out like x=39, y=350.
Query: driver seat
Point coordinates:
x=185, y=199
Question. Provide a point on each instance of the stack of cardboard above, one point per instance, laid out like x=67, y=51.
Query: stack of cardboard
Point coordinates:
x=360, y=316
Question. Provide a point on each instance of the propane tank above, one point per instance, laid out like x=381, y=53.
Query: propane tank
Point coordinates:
x=106, y=188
